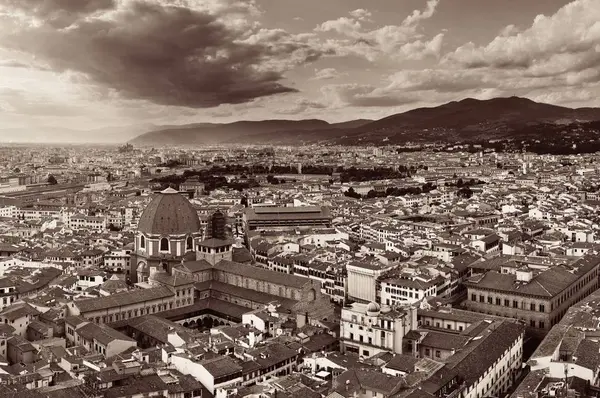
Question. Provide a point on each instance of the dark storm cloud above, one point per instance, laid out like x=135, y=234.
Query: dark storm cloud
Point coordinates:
x=169, y=55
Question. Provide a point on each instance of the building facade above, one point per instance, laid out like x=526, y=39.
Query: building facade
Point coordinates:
x=256, y=218
x=368, y=329
x=539, y=299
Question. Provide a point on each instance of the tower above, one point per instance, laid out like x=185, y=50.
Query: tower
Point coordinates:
x=216, y=226
x=217, y=245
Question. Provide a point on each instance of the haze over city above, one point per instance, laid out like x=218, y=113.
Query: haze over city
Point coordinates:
x=70, y=66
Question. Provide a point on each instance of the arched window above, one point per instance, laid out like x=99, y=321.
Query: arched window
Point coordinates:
x=164, y=245
x=143, y=242
x=189, y=244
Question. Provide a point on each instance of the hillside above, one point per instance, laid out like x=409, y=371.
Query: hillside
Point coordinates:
x=457, y=121
x=469, y=120
x=208, y=134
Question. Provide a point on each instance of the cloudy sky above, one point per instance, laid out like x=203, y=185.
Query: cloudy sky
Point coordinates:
x=94, y=63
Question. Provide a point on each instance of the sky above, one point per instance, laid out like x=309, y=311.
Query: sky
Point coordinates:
x=88, y=64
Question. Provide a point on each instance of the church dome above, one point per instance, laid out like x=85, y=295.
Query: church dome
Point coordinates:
x=169, y=213
x=373, y=309
x=114, y=285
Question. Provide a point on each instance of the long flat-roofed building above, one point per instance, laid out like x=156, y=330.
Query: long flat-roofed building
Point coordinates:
x=286, y=217
x=165, y=293
x=538, y=298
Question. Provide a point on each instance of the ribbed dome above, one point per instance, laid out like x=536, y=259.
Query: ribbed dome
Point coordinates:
x=169, y=213
x=373, y=308
x=114, y=284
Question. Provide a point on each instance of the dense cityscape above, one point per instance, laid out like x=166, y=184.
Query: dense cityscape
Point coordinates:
x=299, y=199
x=297, y=272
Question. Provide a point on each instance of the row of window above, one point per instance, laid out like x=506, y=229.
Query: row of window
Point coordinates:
x=383, y=323
x=440, y=326
x=540, y=324
x=397, y=289
x=402, y=293
x=204, y=249
x=507, y=303
x=361, y=339
x=574, y=289
x=142, y=311
x=164, y=245
x=438, y=353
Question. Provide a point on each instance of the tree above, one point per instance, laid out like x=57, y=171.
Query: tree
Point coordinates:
x=52, y=180
x=465, y=192
x=272, y=180
x=352, y=194
x=428, y=187
x=112, y=227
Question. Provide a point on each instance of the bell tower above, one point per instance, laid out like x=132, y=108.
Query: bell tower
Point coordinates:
x=217, y=245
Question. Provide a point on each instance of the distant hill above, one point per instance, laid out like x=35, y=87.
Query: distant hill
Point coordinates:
x=468, y=120
x=238, y=132
x=457, y=121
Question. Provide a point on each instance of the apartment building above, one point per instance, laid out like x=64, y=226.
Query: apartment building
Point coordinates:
x=539, y=298
x=368, y=329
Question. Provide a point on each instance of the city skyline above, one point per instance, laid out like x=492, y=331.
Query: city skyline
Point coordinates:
x=98, y=63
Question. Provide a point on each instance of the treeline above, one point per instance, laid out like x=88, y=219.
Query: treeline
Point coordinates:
x=354, y=174
x=171, y=163
x=460, y=183
x=210, y=181
x=544, y=139
x=274, y=180
x=213, y=178
x=392, y=191
x=266, y=169
x=351, y=174
x=464, y=192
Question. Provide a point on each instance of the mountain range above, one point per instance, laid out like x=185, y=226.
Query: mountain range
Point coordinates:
x=457, y=121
